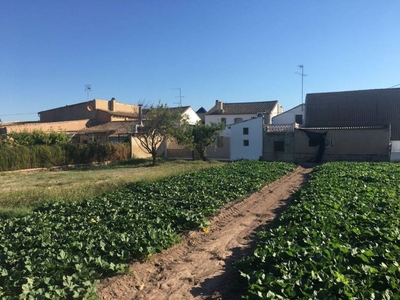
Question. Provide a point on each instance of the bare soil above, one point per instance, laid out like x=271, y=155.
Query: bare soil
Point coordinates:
x=201, y=267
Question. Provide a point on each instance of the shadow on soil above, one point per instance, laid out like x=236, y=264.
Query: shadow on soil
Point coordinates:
x=230, y=285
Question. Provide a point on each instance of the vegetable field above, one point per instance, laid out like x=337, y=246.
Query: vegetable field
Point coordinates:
x=339, y=239
x=61, y=250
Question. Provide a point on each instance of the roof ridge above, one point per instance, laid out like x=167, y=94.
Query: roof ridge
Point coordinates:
x=354, y=91
x=252, y=102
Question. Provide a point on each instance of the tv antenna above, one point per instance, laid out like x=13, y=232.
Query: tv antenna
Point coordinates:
x=88, y=88
x=180, y=96
x=302, y=82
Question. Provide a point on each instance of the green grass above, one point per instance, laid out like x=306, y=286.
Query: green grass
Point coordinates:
x=22, y=191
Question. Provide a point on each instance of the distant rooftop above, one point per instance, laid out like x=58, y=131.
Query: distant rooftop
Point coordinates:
x=242, y=108
x=201, y=110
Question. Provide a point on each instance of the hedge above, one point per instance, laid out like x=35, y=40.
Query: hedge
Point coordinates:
x=43, y=156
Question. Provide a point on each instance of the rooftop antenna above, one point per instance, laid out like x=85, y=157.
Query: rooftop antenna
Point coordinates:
x=394, y=86
x=302, y=81
x=88, y=88
x=180, y=96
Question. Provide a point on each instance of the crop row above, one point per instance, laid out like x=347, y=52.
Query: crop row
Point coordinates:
x=339, y=239
x=61, y=250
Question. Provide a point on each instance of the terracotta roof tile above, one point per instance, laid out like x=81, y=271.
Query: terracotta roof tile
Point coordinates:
x=242, y=108
x=115, y=127
x=180, y=109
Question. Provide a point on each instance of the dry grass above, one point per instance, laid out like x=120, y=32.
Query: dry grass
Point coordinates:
x=22, y=191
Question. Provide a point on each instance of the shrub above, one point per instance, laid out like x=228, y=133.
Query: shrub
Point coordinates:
x=36, y=137
x=16, y=157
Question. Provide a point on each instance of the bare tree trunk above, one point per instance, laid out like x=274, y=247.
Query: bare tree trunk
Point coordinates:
x=154, y=157
x=202, y=152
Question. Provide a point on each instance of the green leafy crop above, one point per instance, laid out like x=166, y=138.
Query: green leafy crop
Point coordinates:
x=61, y=250
x=340, y=239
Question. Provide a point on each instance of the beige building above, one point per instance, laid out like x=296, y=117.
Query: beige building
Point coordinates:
x=77, y=117
x=97, y=111
x=115, y=132
x=219, y=150
x=64, y=126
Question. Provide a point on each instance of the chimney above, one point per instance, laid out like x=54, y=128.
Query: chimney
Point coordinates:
x=140, y=115
x=220, y=105
x=112, y=104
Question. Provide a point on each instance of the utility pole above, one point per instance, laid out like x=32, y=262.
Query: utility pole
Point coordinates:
x=302, y=82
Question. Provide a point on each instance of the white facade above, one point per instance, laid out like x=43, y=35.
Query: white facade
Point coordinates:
x=193, y=118
x=289, y=117
x=230, y=120
x=395, y=151
x=247, y=139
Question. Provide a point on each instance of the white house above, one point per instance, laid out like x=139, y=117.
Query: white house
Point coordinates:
x=233, y=113
x=294, y=115
x=188, y=112
x=236, y=113
x=247, y=139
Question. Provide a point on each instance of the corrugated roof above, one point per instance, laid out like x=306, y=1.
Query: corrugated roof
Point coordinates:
x=377, y=107
x=244, y=108
x=353, y=108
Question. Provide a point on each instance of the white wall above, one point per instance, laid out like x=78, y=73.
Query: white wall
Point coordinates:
x=255, y=137
x=230, y=119
x=289, y=116
x=193, y=118
x=395, y=151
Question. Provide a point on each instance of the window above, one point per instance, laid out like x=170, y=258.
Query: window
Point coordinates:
x=238, y=120
x=245, y=130
x=279, y=146
x=245, y=143
x=328, y=143
x=299, y=119
x=220, y=142
x=223, y=120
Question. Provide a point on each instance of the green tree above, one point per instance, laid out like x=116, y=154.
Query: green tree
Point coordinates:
x=159, y=124
x=200, y=136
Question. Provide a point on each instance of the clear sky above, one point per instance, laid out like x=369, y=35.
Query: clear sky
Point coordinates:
x=231, y=50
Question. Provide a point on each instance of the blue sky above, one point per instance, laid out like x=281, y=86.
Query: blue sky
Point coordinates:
x=234, y=51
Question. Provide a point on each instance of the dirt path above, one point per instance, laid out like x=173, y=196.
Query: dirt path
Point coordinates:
x=201, y=266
